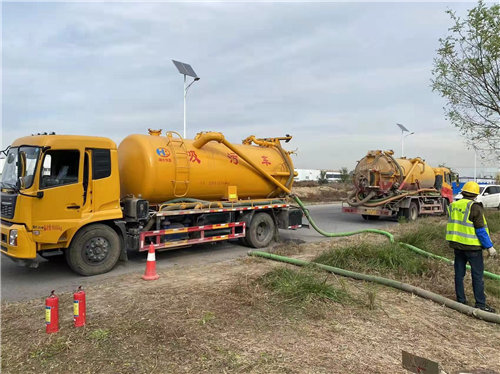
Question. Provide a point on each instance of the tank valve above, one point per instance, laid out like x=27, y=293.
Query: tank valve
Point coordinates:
x=154, y=132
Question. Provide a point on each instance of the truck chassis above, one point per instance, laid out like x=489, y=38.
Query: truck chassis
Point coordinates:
x=409, y=208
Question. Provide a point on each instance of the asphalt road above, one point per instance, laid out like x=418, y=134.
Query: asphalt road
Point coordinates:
x=20, y=283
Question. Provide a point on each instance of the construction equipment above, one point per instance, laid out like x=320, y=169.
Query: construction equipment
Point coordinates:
x=385, y=186
x=83, y=197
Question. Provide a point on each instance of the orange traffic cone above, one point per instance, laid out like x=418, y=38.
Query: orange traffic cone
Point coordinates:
x=150, y=273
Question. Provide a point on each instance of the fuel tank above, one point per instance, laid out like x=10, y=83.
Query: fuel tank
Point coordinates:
x=161, y=168
x=379, y=172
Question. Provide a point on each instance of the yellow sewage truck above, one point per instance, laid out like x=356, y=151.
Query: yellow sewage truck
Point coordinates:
x=86, y=199
x=406, y=188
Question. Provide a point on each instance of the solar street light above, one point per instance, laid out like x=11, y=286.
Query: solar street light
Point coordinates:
x=186, y=70
x=403, y=136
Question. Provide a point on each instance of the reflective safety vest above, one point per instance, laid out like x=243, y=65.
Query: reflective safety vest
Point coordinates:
x=460, y=228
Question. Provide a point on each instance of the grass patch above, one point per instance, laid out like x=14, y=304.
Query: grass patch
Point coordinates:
x=424, y=234
x=302, y=286
x=493, y=219
x=380, y=258
x=99, y=335
x=207, y=317
x=52, y=349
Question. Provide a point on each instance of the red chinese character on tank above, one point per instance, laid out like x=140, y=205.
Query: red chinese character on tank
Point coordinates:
x=265, y=161
x=233, y=158
x=193, y=157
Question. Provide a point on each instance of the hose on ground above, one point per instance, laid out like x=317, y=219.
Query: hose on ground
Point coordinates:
x=487, y=274
x=462, y=308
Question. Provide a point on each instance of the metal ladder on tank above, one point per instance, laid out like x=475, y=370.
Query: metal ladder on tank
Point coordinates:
x=181, y=163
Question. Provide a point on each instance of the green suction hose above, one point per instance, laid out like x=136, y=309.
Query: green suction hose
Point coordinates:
x=478, y=313
x=334, y=235
x=487, y=274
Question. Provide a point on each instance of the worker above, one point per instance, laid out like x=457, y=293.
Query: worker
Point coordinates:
x=467, y=233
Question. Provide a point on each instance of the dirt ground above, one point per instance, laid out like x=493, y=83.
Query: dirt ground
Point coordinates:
x=219, y=318
x=322, y=193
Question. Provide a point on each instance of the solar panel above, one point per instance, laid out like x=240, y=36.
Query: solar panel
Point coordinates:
x=402, y=127
x=185, y=69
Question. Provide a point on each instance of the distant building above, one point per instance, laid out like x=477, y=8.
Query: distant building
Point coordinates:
x=307, y=174
x=462, y=180
x=333, y=175
x=314, y=174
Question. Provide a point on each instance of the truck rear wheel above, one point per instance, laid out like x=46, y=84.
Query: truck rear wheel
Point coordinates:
x=94, y=250
x=410, y=214
x=260, y=231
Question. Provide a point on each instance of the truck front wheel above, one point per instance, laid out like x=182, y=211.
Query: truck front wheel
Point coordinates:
x=261, y=231
x=95, y=249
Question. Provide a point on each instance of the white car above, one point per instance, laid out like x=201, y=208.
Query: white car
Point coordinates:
x=489, y=196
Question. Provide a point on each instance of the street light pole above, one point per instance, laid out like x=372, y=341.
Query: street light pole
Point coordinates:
x=402, y=142
x=186, y=70
x=403, y=136
x=185, y=94
x=475, y=164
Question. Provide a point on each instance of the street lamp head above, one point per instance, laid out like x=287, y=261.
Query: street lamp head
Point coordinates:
x=402, y=127
x=196, y=79
x=185, y=69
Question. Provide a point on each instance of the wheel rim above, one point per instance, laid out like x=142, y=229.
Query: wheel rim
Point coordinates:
x=96, y=250
x=413, y=213
x=262, y=231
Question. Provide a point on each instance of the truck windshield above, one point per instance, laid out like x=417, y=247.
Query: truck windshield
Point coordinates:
x=20, y=163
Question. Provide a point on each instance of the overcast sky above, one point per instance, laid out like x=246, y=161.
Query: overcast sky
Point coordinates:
x=336, y=76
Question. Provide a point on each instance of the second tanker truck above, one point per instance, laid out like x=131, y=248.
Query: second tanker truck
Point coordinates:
x=82, y=197
x=408, y=188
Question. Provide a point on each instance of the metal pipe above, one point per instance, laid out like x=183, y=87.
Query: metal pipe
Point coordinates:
x=415, y=162
x=204, y=138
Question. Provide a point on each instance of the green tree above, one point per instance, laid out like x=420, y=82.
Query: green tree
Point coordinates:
x=322, y=177
x=345, y=176
x=467, y=74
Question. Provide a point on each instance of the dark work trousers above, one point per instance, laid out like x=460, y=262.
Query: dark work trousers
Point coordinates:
x=475, y=259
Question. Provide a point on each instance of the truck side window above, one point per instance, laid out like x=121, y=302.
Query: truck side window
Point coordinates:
x=448, y=178
x=59, y=168
x=101, y=163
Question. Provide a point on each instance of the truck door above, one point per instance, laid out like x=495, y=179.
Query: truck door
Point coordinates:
x=446, y=187
x=60, y=208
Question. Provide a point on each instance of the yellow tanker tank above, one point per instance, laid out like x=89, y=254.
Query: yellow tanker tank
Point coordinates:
x=379, y=175
x=161, y=168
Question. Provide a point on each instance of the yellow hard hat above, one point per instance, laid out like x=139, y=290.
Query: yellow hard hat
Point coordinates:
x=471, y=187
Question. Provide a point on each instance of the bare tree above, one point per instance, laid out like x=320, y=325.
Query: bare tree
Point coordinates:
x=467, y=73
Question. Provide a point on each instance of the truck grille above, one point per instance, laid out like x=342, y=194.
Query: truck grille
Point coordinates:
x=8, y=205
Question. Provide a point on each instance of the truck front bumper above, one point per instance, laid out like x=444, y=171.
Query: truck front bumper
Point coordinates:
x=25, y=247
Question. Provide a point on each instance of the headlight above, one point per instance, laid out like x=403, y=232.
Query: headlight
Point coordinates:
x=13, y=237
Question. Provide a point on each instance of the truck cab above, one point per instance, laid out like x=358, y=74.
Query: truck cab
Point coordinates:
x=443, y=183
x=55, y=189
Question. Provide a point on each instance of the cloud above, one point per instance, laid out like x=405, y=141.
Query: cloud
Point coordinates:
x=338, y=76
